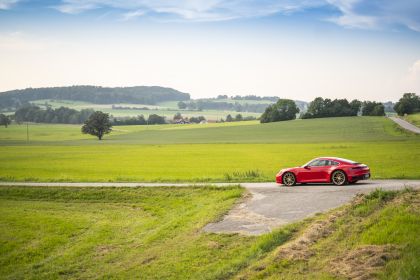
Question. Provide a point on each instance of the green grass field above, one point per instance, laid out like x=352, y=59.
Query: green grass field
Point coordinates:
x=244, y=151
x=156, y=233
x=414, y=119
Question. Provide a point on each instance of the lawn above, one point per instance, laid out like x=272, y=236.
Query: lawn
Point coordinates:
x=121, y=233
x=155, y=233
x=237, y=152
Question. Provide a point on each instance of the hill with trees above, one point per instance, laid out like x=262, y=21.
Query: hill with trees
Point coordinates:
x=94, y=94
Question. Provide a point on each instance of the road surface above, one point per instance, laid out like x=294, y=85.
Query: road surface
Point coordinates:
x=268, y=205
x=406, y=125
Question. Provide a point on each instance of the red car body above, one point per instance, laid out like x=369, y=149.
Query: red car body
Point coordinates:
x=334, y=170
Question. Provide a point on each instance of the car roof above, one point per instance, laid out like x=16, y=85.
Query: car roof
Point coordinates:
x=339, y=159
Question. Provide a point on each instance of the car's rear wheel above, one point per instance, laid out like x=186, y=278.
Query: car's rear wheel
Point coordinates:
x=339, y=178
x=289, y=179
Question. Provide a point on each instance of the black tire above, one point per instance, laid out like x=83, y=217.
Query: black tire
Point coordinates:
x=339, y=178
x=289, y=179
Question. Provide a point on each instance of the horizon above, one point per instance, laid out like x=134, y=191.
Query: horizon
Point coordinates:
x=289, y=49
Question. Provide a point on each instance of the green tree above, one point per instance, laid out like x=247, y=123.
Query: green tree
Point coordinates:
x=182, y=105
x=178, y=116
x=229, y=118
x=408, y=104
x=283, y=110
x=238, y=118
x=4, y=120
x=373, y=109
x=156, y=119
x=97, y=124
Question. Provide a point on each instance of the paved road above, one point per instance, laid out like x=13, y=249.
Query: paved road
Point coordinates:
x=406, y=125
x=269, y=205
x=272, y=205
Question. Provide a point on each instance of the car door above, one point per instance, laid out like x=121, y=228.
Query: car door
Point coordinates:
x=318, y=171
x=324, y=171
x=312, y=172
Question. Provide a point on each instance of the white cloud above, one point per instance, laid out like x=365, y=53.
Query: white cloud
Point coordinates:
x=412, y=81
x=370, y=14
x=198, y=10
x=7, y=4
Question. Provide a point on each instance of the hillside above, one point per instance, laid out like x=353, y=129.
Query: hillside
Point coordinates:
x=94, y=94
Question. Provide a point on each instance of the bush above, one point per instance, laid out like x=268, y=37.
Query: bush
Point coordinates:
x=283, y=110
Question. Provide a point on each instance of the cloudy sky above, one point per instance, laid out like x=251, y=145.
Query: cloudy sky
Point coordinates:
x=301, y=49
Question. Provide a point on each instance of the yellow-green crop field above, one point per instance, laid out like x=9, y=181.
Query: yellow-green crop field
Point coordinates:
x=243, y=151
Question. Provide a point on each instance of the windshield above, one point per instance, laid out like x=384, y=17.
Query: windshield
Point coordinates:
x=309, y=162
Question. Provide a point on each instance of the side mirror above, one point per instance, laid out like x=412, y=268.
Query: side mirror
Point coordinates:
x=307, y=167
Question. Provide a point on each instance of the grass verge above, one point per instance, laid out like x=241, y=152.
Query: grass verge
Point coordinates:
x=376, y=237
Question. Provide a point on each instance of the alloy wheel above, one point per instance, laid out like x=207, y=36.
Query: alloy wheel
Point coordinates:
x=289, y=179
x=339, y=178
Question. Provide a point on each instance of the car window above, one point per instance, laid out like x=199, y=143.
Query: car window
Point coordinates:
x=317, y=163
x=334, y=163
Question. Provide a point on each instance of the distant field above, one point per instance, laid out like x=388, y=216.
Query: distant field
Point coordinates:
x=244, y=151
x=167, y=109
x=414, y=119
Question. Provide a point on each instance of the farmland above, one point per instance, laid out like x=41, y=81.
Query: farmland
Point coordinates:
x=243, y=151
x=167, y=109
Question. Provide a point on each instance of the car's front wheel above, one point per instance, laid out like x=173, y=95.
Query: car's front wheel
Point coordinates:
x=289, y=179
x=339, y=178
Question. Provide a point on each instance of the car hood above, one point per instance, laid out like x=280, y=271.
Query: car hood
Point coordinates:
x=288, y=169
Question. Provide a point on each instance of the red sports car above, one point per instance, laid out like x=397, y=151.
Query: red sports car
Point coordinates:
x=338, y=171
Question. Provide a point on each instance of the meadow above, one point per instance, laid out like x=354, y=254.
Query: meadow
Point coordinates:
x=414, y=119
x=236, y=152
x=156, y=233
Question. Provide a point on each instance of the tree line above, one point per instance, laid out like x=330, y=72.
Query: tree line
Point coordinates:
x=221, y=106
x=286, y=109
x=94, y=94
x=65, y=115
x=249, y=97
x=140, y=120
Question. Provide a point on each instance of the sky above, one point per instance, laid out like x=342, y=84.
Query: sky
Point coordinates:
x=364, y=49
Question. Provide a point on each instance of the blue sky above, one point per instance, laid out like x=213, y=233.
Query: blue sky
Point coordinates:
x=294, y=49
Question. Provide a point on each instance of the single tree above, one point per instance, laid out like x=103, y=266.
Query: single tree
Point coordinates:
x=156, y=119
x=238, y=118
x=97, y=124
x=182, y=105
x=229, y=118
x=4, y=120
x=178, y=116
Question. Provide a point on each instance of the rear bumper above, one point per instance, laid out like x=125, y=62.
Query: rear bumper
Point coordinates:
x=360, y=177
